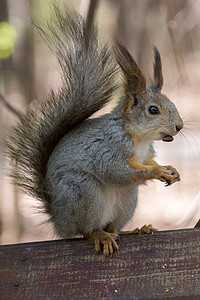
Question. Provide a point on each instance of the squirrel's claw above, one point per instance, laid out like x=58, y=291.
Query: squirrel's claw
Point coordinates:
x=175, y=175
x=148, y=229
x=168, y=182
x=167, y=174
x=106, y=239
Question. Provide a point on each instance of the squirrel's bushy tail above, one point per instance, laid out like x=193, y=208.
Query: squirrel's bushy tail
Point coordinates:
x=87, y=85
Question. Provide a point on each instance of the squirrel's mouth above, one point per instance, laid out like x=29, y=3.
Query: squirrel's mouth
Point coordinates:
x=167, y=138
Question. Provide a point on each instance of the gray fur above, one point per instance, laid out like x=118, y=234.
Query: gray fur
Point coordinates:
x=92, y=189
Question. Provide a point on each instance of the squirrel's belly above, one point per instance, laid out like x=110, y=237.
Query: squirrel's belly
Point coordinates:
x=109, y=201
x=118, y=204
x=142, y=150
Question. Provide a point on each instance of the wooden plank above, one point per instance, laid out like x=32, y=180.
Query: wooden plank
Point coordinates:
x=162, y=265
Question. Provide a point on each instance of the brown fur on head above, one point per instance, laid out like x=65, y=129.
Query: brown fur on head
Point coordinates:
x=149, y=114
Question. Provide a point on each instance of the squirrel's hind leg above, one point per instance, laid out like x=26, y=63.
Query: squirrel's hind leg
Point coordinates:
x=76, y=207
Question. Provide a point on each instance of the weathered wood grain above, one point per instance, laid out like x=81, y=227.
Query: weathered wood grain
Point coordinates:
x=162, y=265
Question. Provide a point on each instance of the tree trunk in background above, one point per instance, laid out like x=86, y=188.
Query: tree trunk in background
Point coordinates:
x=6, y=65
x=24, y=53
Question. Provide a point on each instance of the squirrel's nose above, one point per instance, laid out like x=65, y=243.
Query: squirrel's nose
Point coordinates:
x=179, y=127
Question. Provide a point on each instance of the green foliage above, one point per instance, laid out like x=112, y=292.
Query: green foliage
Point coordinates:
x=8, y=36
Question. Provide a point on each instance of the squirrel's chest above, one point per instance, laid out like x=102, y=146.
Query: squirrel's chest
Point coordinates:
x=142, y=150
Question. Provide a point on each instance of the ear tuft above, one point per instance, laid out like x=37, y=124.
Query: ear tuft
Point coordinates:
x=131, y=83
x=158, y=77
x=135, y=81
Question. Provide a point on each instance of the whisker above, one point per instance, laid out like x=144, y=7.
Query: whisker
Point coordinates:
x=189, y=114
x=195, y=135
x=190, y=149
x=192, y=132
x=149, y=131
x=192, y=124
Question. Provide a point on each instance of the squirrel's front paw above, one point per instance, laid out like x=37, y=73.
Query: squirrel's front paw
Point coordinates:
x=175, y=175
x=166, y=174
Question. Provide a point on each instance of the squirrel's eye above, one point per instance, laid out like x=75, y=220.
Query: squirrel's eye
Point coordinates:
x=153, y=110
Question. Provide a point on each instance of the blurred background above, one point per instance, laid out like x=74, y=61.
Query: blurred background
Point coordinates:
x=28, y=69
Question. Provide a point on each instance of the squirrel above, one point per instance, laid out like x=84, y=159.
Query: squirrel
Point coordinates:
x=86, y=171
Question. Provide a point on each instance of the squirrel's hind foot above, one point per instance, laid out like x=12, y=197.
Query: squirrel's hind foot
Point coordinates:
x=105, y=239
x=146, y=229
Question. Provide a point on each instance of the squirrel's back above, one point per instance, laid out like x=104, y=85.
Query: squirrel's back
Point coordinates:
x=87, y=85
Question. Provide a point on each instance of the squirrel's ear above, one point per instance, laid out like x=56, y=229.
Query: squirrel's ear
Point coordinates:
x=135, y=82
x=158, y=77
